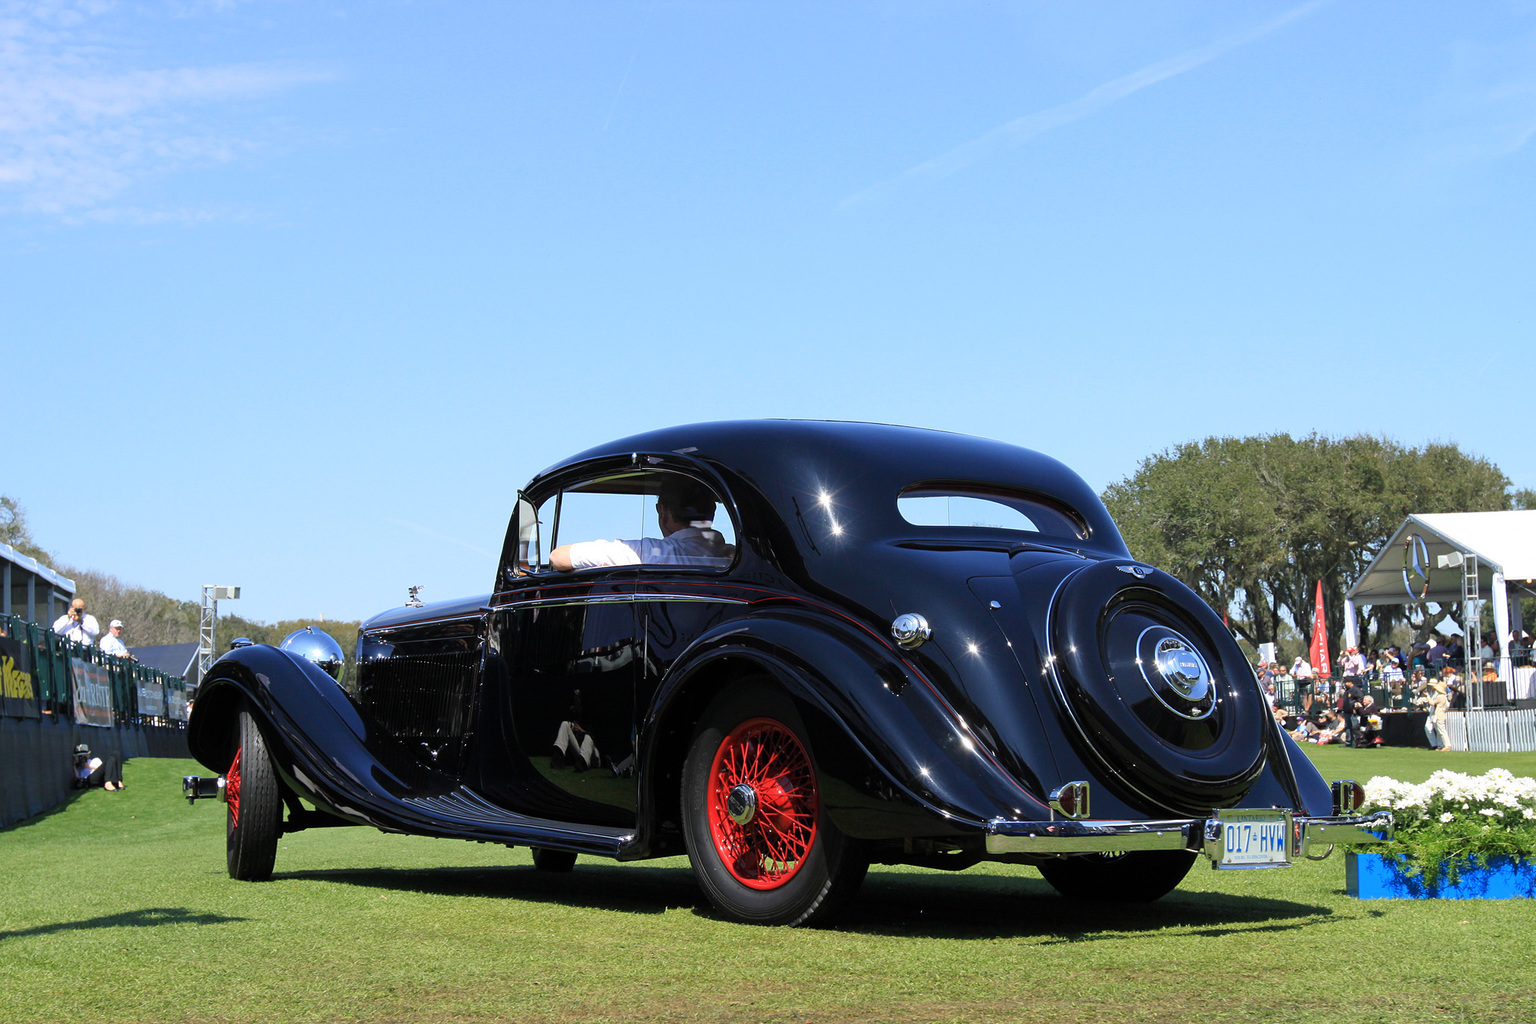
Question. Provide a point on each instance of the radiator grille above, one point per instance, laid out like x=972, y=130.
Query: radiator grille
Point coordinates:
x=425, y=699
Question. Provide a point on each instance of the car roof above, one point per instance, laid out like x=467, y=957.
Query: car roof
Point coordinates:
x=855, y=459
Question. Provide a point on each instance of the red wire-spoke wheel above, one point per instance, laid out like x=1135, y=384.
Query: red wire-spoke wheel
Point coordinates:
x=232, y=791
x=255, y=818
x=757, y=831
x=762, y=803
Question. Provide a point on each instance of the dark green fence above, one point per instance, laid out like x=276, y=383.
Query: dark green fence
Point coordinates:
x=139, y=695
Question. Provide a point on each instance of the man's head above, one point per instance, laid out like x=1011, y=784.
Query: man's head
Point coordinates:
x=683, y=501
x=116, y=627
x=76, y=608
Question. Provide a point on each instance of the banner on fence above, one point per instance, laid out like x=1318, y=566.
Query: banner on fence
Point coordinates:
x=152, y=699
x=18, y=694
x=93, y=693
x=176, y=704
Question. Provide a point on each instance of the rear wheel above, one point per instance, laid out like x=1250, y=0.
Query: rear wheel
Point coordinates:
x=1138, y=877
x=762, y=846
x=254, y=804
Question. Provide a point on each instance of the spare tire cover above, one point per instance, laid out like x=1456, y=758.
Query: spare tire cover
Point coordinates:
x=1155, y=688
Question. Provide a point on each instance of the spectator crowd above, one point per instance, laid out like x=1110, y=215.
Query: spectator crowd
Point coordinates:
x=1347, y=707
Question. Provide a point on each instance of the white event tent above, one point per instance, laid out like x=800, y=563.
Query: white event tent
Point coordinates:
x=1453, y=557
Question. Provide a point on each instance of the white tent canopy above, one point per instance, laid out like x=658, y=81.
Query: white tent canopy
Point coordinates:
x=1431, y=556
x=1504, y=543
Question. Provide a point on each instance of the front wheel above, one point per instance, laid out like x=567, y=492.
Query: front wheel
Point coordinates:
x=255, y=806
x=757, y=831
x=1138, y=877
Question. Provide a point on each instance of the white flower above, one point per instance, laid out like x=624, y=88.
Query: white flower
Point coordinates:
x=1491, y=795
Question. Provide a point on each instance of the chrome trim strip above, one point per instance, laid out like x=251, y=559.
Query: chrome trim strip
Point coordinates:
x=1052, y=838
x=557, y=602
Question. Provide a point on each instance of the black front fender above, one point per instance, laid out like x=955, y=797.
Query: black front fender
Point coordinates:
x=301, y=704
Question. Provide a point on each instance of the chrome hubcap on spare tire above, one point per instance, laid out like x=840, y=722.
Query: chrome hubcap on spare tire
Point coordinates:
x=1176, y=673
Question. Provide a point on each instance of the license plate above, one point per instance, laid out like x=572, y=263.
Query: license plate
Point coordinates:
x=1253, y=839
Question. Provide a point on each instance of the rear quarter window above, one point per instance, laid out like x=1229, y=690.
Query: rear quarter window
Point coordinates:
x=963, y=508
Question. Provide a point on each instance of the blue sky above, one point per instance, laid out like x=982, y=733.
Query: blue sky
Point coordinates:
x=295, y=295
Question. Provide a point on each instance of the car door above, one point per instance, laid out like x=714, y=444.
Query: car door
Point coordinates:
x=558, y=714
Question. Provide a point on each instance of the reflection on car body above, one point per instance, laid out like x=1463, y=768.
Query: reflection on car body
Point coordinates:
x=910, y=647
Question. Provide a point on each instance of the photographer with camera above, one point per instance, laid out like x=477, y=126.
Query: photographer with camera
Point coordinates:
x=77, y=625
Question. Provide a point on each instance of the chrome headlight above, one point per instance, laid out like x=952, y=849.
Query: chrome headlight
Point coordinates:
x=319, y=647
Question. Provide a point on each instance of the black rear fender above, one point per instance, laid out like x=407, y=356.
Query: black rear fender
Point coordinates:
x=893, y=758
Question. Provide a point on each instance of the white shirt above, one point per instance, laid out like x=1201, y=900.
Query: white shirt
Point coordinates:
x=112, y=645
x=695, y=544
x=83, y=632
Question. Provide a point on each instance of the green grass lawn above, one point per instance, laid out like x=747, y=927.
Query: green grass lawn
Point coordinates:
x=116, y=907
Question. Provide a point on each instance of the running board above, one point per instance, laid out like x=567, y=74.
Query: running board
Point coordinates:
x=457, y=814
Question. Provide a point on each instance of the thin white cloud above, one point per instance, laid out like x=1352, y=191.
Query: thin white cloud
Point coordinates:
x=1022, y=129
x=76, y=131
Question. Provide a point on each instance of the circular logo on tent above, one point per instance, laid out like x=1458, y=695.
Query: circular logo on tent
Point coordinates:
x=1416, y=567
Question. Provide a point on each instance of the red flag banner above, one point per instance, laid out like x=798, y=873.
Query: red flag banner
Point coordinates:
x=1320, y=663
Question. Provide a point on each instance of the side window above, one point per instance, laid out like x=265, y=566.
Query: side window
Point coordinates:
x=651, y=518
x=589, y=515
x=962, y=510
x=1021, y=513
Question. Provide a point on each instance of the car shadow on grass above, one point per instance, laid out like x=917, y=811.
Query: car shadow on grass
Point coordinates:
x=895, y=903
x=989, y=907
x=596, y=885
x=149, y=917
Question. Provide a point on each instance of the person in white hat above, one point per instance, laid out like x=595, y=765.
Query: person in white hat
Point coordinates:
x=112, y=643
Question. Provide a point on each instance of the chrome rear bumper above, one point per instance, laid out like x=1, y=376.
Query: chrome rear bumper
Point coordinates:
x=1201, y=835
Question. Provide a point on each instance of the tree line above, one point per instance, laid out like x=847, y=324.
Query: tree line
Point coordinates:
x=1253, y=523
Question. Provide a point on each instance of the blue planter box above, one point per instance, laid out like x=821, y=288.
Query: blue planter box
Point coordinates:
x=1371, y=876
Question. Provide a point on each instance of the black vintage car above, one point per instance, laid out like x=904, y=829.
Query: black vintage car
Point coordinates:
x=821, y=645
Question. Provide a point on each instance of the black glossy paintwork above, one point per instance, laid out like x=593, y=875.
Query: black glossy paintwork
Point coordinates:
x=926, y=744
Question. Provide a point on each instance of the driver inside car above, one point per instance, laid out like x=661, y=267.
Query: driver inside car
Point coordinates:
x=685, y=514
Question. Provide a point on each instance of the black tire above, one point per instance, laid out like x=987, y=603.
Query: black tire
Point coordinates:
x=1139, y=877
x=555, y=861
x=787, y=864
x=255, y=806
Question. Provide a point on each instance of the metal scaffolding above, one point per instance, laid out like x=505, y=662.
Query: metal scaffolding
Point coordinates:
x=208, y=624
